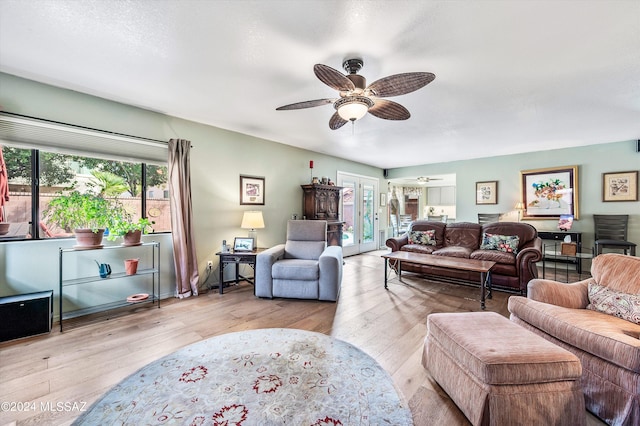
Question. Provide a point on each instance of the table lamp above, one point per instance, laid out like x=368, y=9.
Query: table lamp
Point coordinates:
x=520, y=208
x=252, y=220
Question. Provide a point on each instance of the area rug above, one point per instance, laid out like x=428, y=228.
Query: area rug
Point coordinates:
x=274, y=376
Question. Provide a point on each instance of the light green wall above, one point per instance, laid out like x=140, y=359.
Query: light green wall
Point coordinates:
x=592, y=161
x=218, y=157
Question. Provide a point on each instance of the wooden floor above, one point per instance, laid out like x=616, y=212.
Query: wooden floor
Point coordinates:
x=48, y=379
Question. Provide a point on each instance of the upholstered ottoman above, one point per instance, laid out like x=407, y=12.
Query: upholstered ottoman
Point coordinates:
x=498, y=373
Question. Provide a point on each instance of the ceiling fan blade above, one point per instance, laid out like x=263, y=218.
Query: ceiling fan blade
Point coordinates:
x=333, y=78
x=335, y=122
x=306, y=104
x=389, y=110
x=400, y=84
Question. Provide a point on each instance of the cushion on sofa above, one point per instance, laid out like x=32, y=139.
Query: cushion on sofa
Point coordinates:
x=505, y=243
x=602, y=335
x=525, y=232
x=607, y=301
x=427, y=225
x=494, y=256
x=425, y=238
x=418, y=248
x=618, y=272
x=454, y=251
x=463, y=234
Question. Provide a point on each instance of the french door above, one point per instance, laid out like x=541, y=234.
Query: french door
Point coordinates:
x=359, y=213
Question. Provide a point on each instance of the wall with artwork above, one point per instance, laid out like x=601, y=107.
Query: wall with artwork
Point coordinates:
x=604, y=167
x=218, y=158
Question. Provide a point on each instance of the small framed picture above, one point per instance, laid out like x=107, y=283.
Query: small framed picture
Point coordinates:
x=383, y=200
x=251, y=190
x=487, y=192
x=620, y=186
x=242, y=244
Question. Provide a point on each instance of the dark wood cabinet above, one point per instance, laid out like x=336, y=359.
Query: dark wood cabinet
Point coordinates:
x=322, y=202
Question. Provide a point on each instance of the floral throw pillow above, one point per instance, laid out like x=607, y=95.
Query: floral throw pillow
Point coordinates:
x=621, y=305
x=425, y=238
x=505, y=243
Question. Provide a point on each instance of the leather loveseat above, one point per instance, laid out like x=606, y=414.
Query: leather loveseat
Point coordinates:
x=514, y=246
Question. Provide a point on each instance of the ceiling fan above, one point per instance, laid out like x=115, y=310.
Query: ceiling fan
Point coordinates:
x=356, y=98
x=423, y=179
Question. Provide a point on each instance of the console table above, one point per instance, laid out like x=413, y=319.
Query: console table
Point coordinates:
x=236, y=258
x=559, y=236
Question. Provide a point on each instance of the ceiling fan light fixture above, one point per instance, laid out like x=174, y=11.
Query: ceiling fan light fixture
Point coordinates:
x=352, y=108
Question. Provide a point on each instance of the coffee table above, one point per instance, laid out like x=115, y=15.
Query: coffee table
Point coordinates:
x=473, y=265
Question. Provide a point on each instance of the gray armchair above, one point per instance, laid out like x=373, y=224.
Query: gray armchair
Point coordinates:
x=303, y=267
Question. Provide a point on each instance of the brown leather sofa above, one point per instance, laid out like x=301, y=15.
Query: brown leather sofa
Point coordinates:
x=464, y=239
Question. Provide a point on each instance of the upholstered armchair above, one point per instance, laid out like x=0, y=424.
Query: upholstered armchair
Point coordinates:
x=301, y=268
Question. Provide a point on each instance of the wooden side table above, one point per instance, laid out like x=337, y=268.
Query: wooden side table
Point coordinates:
x=238, y=258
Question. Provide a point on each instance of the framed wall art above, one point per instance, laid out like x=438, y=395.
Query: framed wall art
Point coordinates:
x=251, y=190
x=383, y=200
x=487, y=192
x=549, y=193
x=620, y=186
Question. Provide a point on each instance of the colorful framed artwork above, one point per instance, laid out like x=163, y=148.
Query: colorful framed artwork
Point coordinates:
x=487, y=192
x=620, y=186
x=550, y=193
x=251, y=190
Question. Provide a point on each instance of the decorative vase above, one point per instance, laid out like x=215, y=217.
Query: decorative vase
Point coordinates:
x=87, y=239
x=132, y=238
x=131, y=266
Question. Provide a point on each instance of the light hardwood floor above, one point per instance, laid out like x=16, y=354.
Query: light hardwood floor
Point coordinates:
x=55, y=374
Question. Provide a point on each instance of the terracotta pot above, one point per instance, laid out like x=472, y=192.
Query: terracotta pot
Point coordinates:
x=87, y=239
x=131, y=266
x=132, y=238
x=4, y=228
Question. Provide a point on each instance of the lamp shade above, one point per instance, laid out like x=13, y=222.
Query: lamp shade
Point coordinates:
x=252, y=220
x=519, y=205
x=352, y=111
x=352, y=108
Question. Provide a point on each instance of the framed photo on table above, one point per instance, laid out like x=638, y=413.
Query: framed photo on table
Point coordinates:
x=487, y=192
x=242, y=244
x=549, y=193
x=620, y=186
x=251, y=190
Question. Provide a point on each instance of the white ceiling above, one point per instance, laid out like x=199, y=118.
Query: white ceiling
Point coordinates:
x=511, y=77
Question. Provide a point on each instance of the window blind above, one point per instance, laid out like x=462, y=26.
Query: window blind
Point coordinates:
x=28, y=132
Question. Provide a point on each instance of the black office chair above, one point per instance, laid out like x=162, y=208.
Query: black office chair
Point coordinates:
x=488, y=218
x=611, y=232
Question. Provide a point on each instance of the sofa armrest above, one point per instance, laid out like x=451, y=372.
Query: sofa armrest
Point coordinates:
x=573, y=295
x=330, y=264
x=264, y=263
x=396, y=242
x=526, y=262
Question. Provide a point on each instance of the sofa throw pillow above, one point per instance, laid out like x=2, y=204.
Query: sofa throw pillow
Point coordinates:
x=505, y=243
x=425, y=238
x=621, y=305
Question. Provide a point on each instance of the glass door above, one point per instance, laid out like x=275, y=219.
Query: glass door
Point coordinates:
x=359, y=213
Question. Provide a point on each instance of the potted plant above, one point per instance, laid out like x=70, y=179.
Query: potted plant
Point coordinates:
x=85, y=214
x=131, y=231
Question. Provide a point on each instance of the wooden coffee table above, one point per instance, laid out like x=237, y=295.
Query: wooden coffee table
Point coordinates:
x=481, y=266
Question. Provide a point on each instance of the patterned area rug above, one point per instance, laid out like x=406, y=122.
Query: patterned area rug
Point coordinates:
x=259, y=377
